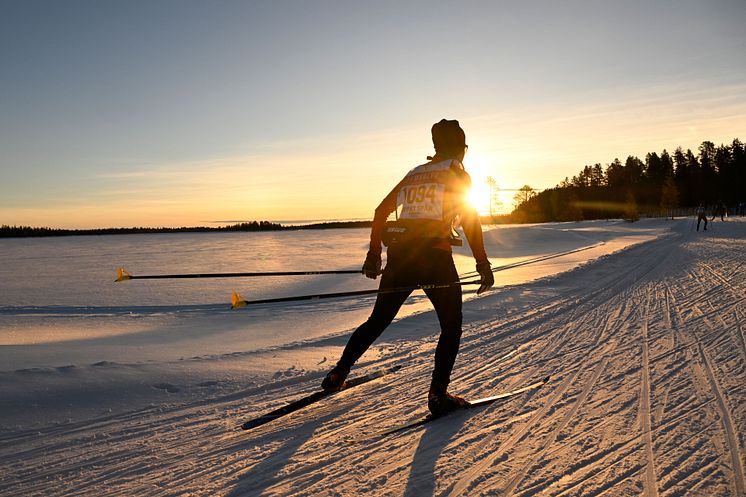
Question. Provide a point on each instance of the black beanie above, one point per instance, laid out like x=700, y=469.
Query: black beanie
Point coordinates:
x=448, y=137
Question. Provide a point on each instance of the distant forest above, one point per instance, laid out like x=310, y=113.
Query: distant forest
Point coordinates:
x=27, y=231
x=660, y=185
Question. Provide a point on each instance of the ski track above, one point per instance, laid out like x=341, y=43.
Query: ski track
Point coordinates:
x=647, y=354
x=651, y=485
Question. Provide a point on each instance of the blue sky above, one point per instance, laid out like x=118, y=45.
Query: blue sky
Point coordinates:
x=182, y=113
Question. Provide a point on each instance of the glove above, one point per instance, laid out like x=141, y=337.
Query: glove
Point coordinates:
x=372, y=265
x=488, y=279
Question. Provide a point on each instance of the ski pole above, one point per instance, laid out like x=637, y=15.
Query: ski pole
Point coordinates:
x=238, y=301
x=123, y=275
x=542, y=258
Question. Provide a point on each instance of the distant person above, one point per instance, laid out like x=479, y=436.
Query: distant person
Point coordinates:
x=701, y=216
x=720, y=210
x=432, y=197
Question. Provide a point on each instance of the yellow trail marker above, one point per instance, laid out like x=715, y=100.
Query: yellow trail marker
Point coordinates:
x=237, y=301
x=122, y=275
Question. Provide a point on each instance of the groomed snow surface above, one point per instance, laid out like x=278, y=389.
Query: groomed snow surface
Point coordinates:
x=644, y=342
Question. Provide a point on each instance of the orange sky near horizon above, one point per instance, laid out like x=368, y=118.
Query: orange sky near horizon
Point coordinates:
x=318, y=181
x=282, y=112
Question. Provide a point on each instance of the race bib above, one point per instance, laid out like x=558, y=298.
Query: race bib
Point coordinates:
x=422, y=201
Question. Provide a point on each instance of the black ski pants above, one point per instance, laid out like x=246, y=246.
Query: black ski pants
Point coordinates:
x=406, y=267
x=701, y=217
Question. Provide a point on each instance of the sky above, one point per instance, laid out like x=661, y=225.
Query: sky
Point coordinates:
x=185, y=113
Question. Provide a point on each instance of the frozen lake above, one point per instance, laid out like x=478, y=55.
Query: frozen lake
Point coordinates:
x=59, y=304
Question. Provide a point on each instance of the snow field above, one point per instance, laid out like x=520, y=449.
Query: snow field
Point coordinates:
x=647, y=351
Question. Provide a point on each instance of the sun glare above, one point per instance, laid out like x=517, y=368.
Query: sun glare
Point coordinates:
x=479, y=196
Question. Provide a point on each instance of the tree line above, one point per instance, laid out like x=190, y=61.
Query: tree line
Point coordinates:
x=654, y=186
x=7, y=231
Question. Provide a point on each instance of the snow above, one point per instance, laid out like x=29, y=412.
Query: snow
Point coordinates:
x=138, y=388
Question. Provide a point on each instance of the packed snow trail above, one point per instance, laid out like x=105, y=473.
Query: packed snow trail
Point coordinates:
x=647, y=353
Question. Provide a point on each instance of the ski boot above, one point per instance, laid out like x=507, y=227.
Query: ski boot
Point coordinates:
x=441, y=403
x=335, y=378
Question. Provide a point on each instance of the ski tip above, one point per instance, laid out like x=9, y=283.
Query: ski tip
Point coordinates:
x=122, y=275
x=237, y=301
x=546, y=380
x=248, y=425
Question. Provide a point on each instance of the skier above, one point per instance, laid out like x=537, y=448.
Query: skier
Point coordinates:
x=720, y=210
x=432, y=197
x=701, y=216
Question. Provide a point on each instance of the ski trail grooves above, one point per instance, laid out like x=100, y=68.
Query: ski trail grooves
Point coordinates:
x=739, y=333
x=616, y=455
x=462, y=486
x=651, y=485
x=702, y=365
x=727, y=422
x=516, y=480
x=726, y=418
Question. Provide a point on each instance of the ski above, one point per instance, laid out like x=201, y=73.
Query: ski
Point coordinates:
x=472, y=404
x=315, y=397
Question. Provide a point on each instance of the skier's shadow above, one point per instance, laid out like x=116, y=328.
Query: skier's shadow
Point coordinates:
x=265, y=474
x=437, y=435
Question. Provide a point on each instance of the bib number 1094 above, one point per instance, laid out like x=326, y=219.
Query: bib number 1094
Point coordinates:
x=422, y=201
x=416, y=195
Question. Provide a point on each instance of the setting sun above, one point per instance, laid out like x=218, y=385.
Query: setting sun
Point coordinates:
x=478, y=167
x=479, y=197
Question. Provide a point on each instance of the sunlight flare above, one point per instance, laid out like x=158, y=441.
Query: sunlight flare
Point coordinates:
x=484, y=185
